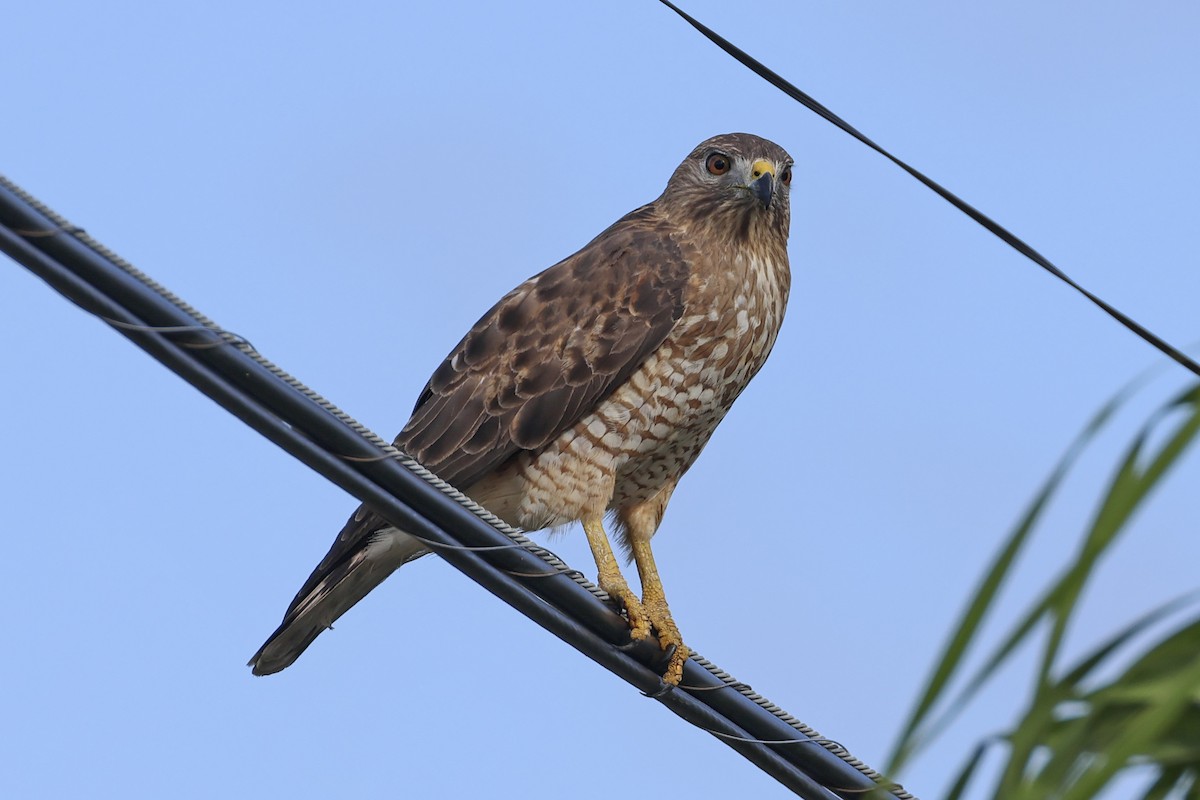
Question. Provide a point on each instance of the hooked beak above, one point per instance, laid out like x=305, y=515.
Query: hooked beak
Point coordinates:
x=762, y=184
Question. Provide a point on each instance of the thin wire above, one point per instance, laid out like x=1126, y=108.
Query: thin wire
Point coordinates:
x=735, y=685
x=548, y=574
x=224, y=340
x=1009, y=238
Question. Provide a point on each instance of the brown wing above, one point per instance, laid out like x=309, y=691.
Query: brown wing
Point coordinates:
x=536, y=363
x=550, y=351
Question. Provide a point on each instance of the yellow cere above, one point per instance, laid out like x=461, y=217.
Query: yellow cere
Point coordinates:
x=759, y=167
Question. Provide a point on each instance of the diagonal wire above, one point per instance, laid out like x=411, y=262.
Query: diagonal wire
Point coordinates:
x=1009, y=238
x=226, y=368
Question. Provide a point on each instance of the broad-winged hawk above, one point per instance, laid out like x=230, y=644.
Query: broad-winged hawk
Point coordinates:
x=592, y=387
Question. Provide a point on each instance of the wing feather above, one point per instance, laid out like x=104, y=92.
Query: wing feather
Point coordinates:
x=539, y=360
x=550, y=351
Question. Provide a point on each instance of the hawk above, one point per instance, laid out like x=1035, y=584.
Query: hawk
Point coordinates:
x=591, y=388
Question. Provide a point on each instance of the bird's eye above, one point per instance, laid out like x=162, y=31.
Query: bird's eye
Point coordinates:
x=785, y=177
x=717, y=164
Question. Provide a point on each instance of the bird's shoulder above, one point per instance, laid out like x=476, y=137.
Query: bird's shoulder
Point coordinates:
x=551, y=349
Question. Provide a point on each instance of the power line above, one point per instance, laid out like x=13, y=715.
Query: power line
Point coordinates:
x=530, y=579
x=1005, y=235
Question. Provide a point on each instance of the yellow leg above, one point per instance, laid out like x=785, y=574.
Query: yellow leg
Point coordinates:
x=654, y=603
x=612, y=581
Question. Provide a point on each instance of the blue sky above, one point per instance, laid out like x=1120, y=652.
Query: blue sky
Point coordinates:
x=350, y=186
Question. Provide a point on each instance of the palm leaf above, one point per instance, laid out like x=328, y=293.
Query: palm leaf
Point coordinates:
x=1136, y=477
x=1148, y=715
x=1074, y=738
x=918, y=730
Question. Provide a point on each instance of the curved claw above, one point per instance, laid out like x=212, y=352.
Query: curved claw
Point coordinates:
x=661, y=691
x=675, y=653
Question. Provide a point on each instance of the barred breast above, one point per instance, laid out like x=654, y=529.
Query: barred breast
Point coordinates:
x=652, y=428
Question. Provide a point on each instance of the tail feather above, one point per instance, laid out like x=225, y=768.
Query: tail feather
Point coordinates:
x=364, y=554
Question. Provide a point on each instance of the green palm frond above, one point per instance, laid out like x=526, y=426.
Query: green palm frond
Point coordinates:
x=1079, y=730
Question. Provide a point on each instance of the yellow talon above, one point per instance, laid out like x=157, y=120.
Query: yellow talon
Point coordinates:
x=650, y=614
x=654, y=601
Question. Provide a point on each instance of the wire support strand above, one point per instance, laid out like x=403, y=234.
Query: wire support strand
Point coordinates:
x=315, y=431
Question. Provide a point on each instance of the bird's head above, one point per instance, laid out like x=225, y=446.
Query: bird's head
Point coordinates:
x=738, y=182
